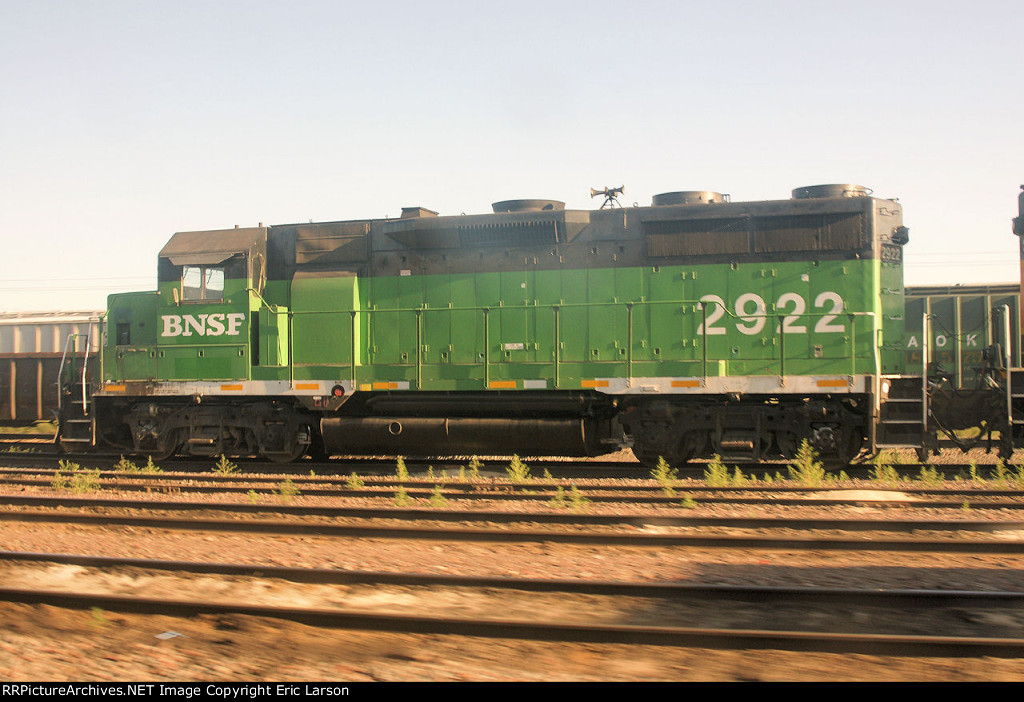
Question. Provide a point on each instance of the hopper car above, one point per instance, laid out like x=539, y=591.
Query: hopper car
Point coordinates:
x=34, y=346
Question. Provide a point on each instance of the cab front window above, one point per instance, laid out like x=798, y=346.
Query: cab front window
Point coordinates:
x=202, y=283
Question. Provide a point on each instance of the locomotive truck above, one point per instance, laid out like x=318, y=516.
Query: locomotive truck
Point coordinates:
x=694, y=326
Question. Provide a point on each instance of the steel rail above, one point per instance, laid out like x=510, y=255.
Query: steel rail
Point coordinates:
x=266, y=526
x=575, y=519
x=543, y=493
x=893, y=645
x=677, y=590
x=488, y=488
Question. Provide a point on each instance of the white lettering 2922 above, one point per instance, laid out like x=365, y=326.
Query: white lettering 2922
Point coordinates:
x=202, y=324
x=751, y=314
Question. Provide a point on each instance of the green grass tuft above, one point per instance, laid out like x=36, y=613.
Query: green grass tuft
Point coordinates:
x=665, y=476
x=805, y=468
x=518, y=472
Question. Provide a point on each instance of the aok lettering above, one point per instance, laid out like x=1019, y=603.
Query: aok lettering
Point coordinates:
x=202, y=324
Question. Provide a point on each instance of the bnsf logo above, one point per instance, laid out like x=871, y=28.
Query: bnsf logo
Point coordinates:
x=202, y=324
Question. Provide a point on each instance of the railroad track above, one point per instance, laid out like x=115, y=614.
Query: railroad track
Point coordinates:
x=650, y=532
x=459, y=577
x=40, y=452
x=639, y=493
x=550, y=610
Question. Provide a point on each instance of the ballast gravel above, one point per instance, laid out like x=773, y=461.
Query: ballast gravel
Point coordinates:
x=53, y=644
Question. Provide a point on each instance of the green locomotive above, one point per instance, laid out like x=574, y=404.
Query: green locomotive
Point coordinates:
x=692, y=327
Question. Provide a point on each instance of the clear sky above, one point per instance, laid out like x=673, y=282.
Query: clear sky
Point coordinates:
x=123, y=122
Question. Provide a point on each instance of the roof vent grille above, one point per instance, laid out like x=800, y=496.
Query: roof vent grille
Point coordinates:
x=813, y=192
x=528, y=206
x=689, y=197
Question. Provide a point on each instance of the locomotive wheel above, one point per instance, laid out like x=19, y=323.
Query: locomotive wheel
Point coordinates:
x=317, y=451
x=165, y=451
x=677, y=457
x=648, y=459
x=293, y=454
x=285, y=457
x=167, y=448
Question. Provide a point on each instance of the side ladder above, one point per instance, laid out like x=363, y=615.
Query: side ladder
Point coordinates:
x=76, y=427
x=903, y=413
x=1015, y=403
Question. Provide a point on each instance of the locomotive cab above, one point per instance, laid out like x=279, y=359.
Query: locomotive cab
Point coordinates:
x=186, y=367
x=209, y=296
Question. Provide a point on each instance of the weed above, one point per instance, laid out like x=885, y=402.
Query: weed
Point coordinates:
x=475, y=464
x=354, y=482
x=739, y=479
x=930, y=476
x=716, y=474
x=125, y=466
x=577, y=502
x=975, y=478
x=687, y=502
x=966, y=506
x=286, y=490
x=462, y=472
x=85, y=480
x=224, y=466
x=430, y=473
x=78, y=481
x=558, y=501
x=312, y=473
x=883, y=473
x=401, y=472
x=767, y=478
x=402, y=498
x=1002, y=477
x=438, y=500
x=19, y=449
x=665, y=475
x=253, y=496
x=518, y=472
x=547, y=475
x=59, y=482
x=98, y=618
x=805, y=468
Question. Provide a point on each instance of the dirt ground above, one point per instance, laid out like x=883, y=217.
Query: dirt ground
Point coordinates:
x=47, y=643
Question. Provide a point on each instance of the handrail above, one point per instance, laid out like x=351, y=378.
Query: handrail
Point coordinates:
x=85, y=369
x=60, y=371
